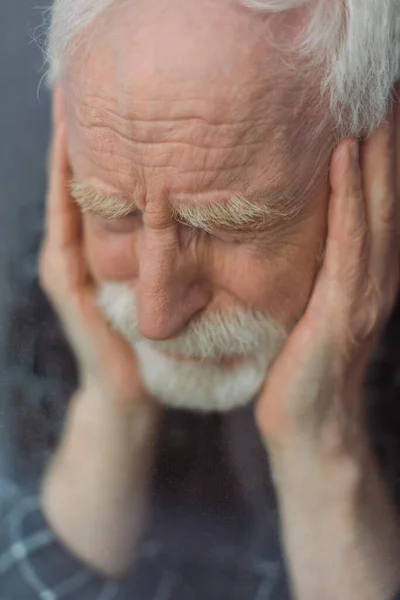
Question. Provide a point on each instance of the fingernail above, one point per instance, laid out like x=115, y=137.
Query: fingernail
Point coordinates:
x=355, y=153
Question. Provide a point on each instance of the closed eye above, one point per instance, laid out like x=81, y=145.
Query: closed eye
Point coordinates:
x=126, y=224
x=234, y=236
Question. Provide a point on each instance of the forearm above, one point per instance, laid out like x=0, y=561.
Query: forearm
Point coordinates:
x=95, y=493
x=340, y=531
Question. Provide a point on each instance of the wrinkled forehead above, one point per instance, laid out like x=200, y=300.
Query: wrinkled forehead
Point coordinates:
x=200, y=73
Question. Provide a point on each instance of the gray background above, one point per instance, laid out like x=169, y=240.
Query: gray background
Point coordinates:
x=24, y=126
x=24, y=130
x=206, y=541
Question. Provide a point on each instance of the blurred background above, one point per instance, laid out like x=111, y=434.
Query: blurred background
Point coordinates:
x=24, y=126
x=37, y=376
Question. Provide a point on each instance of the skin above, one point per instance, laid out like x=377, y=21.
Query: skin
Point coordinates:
x=174, y=130
x=340, y=529
x=310, y=412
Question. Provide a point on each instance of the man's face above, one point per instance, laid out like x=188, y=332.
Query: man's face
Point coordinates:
x=204, y=191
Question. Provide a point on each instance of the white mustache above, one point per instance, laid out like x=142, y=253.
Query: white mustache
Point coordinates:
x=214, y=336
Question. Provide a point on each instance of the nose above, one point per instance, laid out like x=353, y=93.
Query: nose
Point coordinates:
x=170, y=288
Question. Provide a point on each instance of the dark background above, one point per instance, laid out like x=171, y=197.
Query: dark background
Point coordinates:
x=24, y=127
x=214, y=531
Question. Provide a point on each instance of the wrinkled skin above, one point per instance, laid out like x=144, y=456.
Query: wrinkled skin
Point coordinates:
x=164, y=115
x=139, y=142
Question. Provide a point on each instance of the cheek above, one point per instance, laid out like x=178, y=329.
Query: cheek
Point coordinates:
x=278, y=281
x=291, y=287
x=110, y=257
x=280, y=286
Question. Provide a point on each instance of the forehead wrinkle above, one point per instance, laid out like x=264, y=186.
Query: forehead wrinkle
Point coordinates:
x=192, y=132
x=91, y=200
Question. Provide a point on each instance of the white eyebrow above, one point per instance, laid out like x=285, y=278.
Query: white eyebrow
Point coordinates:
x=235, y=213
x=91, y=200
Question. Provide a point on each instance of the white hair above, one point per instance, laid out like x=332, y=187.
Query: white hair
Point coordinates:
x=354, y=43
x=203, y=384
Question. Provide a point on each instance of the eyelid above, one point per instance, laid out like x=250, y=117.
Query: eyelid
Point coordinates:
x=212, y=228
x=243, y=230
x=235, y=236
x=231, y=234
x=133, y=212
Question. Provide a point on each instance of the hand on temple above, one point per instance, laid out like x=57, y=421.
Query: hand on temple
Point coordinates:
x=341, y=534
x=95, y=494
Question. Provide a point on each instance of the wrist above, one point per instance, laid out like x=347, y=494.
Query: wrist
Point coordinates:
x=123, y=396
x=338, y=525
x=101, y=439
x=330, y=439
x=319, y=482
x=332, y=475
x=92, y=403
x=95, y=494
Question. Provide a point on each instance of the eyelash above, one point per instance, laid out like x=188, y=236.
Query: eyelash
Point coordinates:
x=235, y=237
x=122, y=225
x=227, y=238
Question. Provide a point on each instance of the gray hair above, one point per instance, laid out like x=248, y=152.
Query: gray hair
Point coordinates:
x=355, y=44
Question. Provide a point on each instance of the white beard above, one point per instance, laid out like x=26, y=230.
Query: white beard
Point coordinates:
x=199, y=385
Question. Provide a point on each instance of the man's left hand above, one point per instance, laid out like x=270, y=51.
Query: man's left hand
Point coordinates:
x=340, y=530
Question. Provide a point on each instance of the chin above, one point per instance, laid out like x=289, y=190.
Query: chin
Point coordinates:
x=234, y=354
x=200, y=386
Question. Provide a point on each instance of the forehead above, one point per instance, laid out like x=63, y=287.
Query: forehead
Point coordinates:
x=192, y=86
x=190, y=43
x=192, y=61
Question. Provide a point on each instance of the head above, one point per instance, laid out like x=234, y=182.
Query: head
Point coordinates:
x=200, y=136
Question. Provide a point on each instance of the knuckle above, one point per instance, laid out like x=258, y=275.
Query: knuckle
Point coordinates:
x=367, y=319
x=370, y=312
x=355, y=190
x=357, y=239
x=388, y=212
x=353, y=271
x=361, y=240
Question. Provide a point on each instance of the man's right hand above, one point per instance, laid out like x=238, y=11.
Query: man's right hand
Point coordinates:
x=107, y=364
x=95, y=494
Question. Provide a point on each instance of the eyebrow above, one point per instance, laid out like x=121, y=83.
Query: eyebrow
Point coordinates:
x=236, y=213
x=91, y=200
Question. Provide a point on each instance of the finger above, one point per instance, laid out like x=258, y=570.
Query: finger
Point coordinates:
x=63, y=222
x=345, y=261
x=379, y=184
x=58, y=114
x=58, y=107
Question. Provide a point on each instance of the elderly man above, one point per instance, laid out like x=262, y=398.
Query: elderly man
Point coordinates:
x=217, y=232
